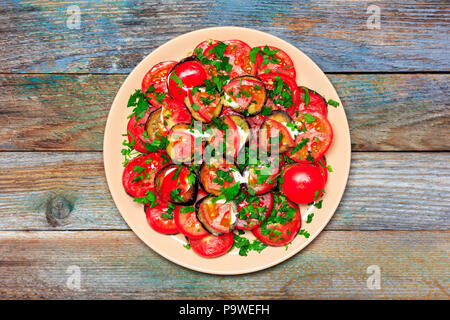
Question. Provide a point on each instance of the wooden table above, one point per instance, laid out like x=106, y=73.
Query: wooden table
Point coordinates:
x=57, y=85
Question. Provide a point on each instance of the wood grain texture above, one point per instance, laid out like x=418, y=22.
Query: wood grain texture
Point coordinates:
x=68, y=112
x=117, y=265
x=386, y=191
x=114, y=35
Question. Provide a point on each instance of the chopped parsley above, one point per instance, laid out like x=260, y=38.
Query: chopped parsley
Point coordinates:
x=304, y=233
x=177, y=80
x=149, y=198
x=139, y=102
x=333, y=103
x=244, y=245
x=305, y=95
x=265, y=111
x=309, y=118
x=175, y=195
x=300, y=145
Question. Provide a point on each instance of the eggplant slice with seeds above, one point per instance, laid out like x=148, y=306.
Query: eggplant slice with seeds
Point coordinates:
x=245, y=94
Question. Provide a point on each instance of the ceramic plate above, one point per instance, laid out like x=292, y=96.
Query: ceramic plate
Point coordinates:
x=171, y=247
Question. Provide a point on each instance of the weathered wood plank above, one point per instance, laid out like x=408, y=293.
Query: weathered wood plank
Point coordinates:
x=388, y=191
x=68, y=112
x=115, y=264
x=115, y=35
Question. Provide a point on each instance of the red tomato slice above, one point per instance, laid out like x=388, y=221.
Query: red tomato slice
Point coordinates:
x=227, y=111
x=135, y=132
x=238, y=53
x=302, y=183
x=272, y=129
x=282, y=91
x=310, y=102
x=232, y=143
x=249, y=209
x=175, y=178
x=320, y=135
x=185, y=76
x=188, y=224
x=157, y=218
x=282, y=225
x=182, y=144
x=208, y=176
x=139, y=174
x=207, y=106
x=212, y=246
x=322, y=164
x=204, y=45
x=173, y=112
x=255, y=124
x=245, y=94
x=274, y=60
x=157, y=76
x=267, y=176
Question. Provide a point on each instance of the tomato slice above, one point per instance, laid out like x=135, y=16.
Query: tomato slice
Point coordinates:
x=187, y=74
x=204, y=45
x=204, y=106
x=253, y=210
x=160, y=217
x=310, y=102
x=157, y=76
x=187, y=222
x=139, y=174
x=182, y=144
x=302, y=183
x=270, y=132
x=173, y=184
x=135, y=132
x=209, y=177
x=173, y=112
x=274, y=60
x=212, y=246
x=282, y=225
x=262, y=178
x=322, y=164
x=255, y=123
x=228, y=136
x=238, y=53
x=319, y=134
x=231, y=131
x=282, y=91
x=245, y=94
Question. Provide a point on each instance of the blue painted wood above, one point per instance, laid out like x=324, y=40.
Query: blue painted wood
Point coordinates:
x=115, y=35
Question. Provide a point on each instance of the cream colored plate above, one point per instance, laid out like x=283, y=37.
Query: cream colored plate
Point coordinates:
x=171, y=247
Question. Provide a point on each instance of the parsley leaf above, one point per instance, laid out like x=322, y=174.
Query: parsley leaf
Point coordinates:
x=333, y=103
x=300, y=145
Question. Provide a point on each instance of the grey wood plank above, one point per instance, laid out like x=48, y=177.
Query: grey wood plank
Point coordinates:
x=386, y=191
x=115, y=35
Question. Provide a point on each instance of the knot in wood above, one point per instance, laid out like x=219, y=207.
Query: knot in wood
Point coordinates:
x=58, y=209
